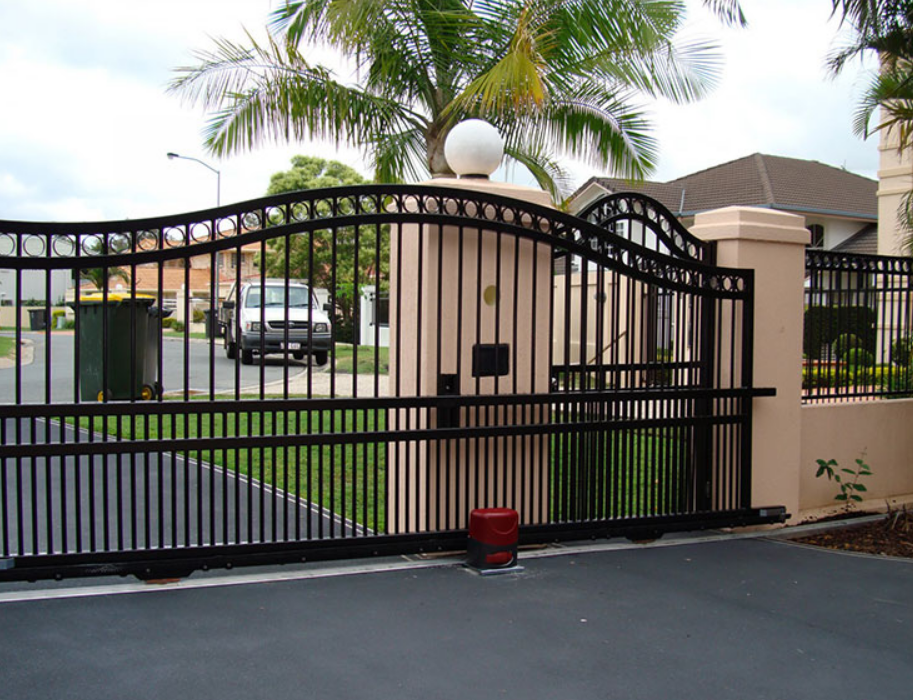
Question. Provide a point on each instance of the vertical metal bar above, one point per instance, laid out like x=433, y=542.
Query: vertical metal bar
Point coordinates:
x=420, y=465
x=356, y=317
x=748, y=302
x=439, y=370
x=478, y=474
x=463, y=413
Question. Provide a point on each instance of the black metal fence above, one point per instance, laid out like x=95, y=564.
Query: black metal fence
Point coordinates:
x=349, y=372
x=858, y=330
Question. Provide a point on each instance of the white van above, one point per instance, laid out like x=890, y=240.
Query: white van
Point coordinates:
x=258, y=318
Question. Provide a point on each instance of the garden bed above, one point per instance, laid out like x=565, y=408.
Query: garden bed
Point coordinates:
x=889, y=536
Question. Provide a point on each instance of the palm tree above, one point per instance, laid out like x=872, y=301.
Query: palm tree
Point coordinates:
x=553, y=75
x=101, y=276
x=884, y=27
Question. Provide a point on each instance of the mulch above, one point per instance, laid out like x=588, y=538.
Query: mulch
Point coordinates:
x=891, y=536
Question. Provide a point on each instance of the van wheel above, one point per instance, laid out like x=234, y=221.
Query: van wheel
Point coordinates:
x=231, y=350
x=321, y=357
x=298, y=354
x=247, y=357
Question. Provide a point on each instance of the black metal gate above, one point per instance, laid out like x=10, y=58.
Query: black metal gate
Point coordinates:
x=349, y=372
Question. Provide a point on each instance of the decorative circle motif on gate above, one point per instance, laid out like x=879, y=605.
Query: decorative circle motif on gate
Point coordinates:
x=680, y=243
x=680, y=261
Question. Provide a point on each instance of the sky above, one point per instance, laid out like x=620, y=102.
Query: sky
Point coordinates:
x=86, y=120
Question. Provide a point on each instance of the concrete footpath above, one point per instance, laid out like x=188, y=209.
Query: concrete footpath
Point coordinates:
x=738, y=618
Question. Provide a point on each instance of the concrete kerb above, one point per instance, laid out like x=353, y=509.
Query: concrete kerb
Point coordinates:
x=320, y=570
x=25, y=356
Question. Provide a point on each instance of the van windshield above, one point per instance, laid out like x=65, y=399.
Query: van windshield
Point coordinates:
x=298, y=297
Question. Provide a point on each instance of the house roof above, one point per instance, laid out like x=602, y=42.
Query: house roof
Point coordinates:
x=758, y=180
x=863, y=241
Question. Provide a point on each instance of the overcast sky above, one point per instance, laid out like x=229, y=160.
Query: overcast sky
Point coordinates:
x=86, y=121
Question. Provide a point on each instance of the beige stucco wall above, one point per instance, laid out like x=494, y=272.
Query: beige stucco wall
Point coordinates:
x=878, y=431
x=458, y=475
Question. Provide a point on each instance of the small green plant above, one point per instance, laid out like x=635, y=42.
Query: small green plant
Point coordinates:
x=198, y=316
x=167, y=322
x=849, y=490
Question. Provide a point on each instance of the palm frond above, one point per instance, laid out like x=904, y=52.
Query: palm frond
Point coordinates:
x=546, y=170
x=270, y=93
x=729, y=11
x=600, y=127
x=398, y=157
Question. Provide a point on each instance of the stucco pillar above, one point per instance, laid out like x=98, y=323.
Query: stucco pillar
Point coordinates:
x=895, y=180
x=772, y=244
x=450, y=289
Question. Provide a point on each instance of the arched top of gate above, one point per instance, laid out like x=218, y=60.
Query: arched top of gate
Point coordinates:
x=52, y=245
x=666, y=233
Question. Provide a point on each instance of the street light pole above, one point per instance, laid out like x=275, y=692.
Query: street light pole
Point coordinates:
x=172, y=156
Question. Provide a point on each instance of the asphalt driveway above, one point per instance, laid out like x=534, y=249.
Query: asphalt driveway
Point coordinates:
x=731, y=619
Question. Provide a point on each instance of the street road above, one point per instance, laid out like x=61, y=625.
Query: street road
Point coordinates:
x=198, y=357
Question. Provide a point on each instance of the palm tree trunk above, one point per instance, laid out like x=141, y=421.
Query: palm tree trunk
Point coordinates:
x=434, y=141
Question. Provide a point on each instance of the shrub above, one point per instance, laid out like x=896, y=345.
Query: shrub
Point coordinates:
x=845, y=343
x=343, y=329
x=901, y=351
x=167, y=322
x=859, y=357
x=824, y=324
x=177, y=326
x=198, y=316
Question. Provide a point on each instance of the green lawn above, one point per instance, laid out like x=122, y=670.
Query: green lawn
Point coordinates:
x=621, y=473
x=338, y=477
x=345, y=354
x=180, y=334
x=7, y=346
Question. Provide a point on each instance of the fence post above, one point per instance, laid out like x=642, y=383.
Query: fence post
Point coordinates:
x=771, y=243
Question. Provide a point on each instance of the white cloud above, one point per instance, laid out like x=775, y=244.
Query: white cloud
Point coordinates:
x=86, y=121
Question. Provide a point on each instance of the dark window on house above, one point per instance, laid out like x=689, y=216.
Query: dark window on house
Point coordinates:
x=817, y=231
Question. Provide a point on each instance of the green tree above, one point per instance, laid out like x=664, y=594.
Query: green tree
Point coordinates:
x=883, y=27
x=327, y=258
x=555, y=76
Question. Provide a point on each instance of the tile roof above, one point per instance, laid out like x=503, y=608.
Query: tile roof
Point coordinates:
x=787, y=184
x=863, y=241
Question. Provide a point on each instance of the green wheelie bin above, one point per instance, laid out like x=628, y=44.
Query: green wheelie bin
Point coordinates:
x=112, y=367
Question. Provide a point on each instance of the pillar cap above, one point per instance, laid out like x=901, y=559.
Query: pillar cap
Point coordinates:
x=751, y=224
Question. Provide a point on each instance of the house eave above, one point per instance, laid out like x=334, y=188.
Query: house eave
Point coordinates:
x=855, y=216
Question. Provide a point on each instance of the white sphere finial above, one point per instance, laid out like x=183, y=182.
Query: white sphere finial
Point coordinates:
x=474, y=147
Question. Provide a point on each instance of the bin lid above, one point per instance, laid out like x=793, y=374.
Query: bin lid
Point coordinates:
x=98, y=297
